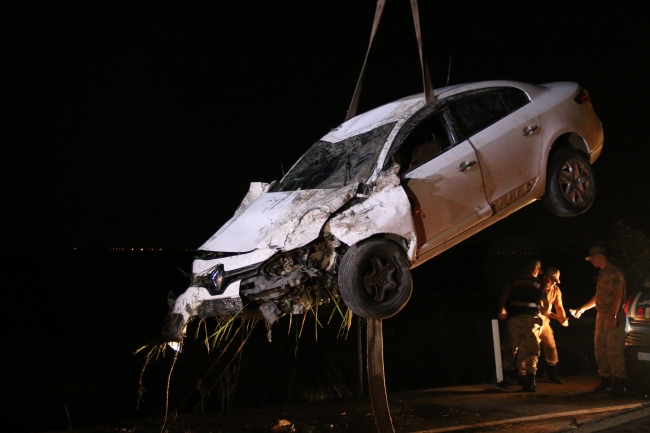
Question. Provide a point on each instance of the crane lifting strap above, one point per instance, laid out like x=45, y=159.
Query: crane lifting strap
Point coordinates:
x=426, y=76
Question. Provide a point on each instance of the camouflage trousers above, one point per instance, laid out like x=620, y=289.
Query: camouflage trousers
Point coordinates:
x=609, y=346
x=523, y=338
x=547, y=342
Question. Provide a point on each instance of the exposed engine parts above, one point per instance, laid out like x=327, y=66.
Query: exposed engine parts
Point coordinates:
x=294, y=281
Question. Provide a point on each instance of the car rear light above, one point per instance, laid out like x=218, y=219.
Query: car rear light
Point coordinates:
x=582, y=97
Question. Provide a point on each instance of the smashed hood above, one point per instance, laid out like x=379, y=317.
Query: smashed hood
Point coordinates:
x=280, y=220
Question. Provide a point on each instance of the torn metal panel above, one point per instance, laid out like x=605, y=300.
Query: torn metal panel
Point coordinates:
x=270, y=312
x=280, y=220
x=387, y=210
x=391, y=112
x=255, y=190
x=189, y=302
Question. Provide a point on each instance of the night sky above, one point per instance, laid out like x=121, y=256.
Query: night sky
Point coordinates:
x=129, y=125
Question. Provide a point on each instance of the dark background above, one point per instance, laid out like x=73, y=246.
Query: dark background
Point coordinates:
x=133, y=125
x=140, y=126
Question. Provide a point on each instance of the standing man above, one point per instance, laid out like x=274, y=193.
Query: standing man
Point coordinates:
x=609, y=336
x=551, y=298
x=520, y=305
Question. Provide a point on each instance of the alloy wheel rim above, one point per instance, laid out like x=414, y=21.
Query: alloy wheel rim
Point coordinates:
x=575, y=181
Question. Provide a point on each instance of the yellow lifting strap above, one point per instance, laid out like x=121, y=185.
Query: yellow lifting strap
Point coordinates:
x=426, y=75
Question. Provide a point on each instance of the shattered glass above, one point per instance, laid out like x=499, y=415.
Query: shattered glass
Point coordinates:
x=334, y=165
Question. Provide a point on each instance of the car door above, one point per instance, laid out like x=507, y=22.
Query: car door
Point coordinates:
x=505, y=129
x=443, y=180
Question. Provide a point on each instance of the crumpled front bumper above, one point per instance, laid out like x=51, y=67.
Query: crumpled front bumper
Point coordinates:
x=224, y=301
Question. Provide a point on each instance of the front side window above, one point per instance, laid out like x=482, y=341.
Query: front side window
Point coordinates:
x=426, y=140
x=334, y=165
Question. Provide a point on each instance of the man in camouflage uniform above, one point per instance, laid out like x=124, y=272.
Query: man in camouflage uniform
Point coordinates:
x=609, y=336
x=520, y=305
x=551, y=299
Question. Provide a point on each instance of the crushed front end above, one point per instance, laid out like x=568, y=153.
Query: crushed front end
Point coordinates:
x=250, y=284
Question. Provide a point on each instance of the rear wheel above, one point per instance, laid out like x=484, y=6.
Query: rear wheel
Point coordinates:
x=570, y=184
x=374, y=278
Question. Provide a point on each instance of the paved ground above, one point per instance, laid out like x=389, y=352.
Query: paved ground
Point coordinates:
x=477, y=408
x=640, y=426
x=488, y=408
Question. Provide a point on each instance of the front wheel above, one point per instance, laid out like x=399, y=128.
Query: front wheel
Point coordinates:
x=375, y=279
x=570, y=184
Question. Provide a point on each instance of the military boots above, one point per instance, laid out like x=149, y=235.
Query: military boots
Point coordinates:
x=529, y=386
x=604, y=385
x=552, y=374
x=618, y=387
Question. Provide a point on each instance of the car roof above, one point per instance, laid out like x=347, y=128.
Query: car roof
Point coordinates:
x=407, y=106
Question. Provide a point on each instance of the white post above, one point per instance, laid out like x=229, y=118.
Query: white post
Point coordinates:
x=497, y=349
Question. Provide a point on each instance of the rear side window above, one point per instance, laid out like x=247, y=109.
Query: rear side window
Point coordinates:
x=477, y=110
x=513, y=98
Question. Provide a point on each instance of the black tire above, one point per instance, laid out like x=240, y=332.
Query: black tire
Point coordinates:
x=570, y=184
x=375, y=279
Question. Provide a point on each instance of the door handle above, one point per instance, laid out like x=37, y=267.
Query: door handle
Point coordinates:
x=529, y=130
x=465, y=165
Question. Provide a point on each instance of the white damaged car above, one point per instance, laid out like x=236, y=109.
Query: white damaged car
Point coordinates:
x=388, y=190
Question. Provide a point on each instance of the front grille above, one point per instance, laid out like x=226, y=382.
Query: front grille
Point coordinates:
x=227, y=278
x=637, y=340
x=639, y=332
x=220, y=307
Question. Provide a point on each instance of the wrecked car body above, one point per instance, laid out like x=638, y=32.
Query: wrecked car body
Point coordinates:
x=388, y=190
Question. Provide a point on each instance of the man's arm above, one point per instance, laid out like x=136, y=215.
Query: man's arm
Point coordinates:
x=544, y=305
x=590, y=304
x=546, y=310
x=560, y=315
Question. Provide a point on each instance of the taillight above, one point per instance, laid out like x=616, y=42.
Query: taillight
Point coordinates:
x=582, y=97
